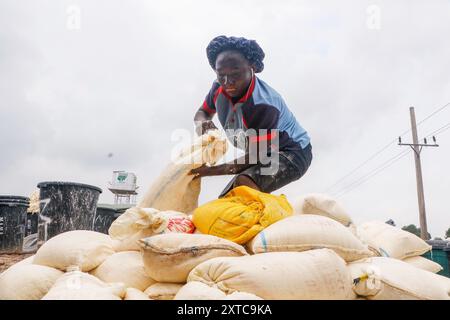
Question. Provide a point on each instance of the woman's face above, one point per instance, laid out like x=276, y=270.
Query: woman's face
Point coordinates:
x=234, y=73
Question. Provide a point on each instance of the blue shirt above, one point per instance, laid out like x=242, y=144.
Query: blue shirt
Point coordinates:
x=260, y=108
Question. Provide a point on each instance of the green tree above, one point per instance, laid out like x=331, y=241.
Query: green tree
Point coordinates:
x=447, y=233
x=414, y=230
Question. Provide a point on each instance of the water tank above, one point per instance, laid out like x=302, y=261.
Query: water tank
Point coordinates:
x=122, y=180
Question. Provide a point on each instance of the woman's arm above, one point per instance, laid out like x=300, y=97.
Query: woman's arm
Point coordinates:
x=203, y=122
x=236, y=166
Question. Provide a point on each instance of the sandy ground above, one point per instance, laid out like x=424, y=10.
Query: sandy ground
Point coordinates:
x=7, y=260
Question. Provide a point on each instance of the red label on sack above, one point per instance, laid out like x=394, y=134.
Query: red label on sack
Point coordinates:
x=181, y=225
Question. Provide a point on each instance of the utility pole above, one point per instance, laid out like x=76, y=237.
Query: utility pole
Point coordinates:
x=417, y=148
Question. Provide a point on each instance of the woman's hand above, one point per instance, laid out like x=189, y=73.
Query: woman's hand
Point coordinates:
x=199, y=172
x=234, y=167
x=204, y=126
x=219, y=170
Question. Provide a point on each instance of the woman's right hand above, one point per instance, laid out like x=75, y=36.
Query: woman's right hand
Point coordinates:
x=204, y=126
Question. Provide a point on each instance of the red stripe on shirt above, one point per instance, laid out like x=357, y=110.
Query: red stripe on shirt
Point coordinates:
x=265, y=137
x=245, y=122
x=222, y=91
x=216, y=94
x=249, y=91
x=207, y=108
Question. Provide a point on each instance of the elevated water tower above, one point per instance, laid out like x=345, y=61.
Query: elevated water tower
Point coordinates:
x=123, y=186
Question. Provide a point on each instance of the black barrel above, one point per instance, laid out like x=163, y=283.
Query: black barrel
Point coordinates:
x=104, y=217
x=65, y=206
x=8, y=198
x=13, y=215
x=32, y=223
x=31, y=233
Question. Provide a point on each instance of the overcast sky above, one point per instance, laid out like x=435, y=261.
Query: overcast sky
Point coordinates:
x=82, y=79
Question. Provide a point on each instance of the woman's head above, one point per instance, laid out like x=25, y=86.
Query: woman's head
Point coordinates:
x=235, y=60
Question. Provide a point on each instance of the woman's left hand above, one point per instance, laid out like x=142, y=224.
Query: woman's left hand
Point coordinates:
x=205, y=171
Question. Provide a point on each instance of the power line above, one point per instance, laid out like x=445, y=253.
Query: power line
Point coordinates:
x=373, y=173
x=434, y=113
x=382, y=149
x=439, y=131
x=387, y=164
x=366, y=161
x=360, y=166
x=443, y=130
x=351, y=184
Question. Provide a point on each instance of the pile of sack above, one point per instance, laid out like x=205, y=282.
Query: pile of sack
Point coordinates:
x=301, y=256
x=248, y=245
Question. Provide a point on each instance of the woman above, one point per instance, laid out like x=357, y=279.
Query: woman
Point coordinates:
x=255, y=118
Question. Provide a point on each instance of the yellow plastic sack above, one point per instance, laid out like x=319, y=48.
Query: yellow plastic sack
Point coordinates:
x=241, y=214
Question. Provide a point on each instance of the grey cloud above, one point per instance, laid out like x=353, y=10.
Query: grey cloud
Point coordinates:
x=135, y=72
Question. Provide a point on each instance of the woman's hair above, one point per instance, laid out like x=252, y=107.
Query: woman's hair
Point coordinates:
x=248, y=48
